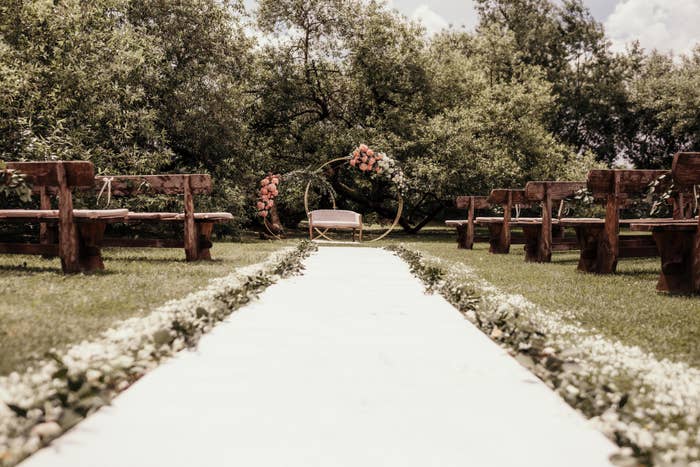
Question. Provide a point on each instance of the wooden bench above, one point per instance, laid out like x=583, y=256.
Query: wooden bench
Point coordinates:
x=677, y=240
x=500, y=227
x=75, y=236
x=599, y=239
x=197, y=226
x=335, y=219
x=465, y=228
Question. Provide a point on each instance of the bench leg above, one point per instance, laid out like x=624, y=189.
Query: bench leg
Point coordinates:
x=204, y=231
x=91, y=236
x=532, y=240
x=462, y=237
x=69, y=249
x=48, y=235
x=588, y=240
x=676, y=249
x=497, y=244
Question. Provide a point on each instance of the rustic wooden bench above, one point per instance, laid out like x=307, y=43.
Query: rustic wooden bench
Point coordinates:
x=198, y=226
x=500, y=238
x=677, y=240
x=337, y=219
x=465, y=228
x=547, y=235
x=599, y=239
x=75, y=236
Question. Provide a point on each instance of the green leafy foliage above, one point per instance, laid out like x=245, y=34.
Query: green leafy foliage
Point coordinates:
x=139, y=86
x=13, y=185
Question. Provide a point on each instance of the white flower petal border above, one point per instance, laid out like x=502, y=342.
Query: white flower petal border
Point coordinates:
x=649, y=407
x=41, y=403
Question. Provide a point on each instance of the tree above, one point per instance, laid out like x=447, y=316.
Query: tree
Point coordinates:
x=588, y=80
x=462, y=112
x=76, y=74
x=665, y=98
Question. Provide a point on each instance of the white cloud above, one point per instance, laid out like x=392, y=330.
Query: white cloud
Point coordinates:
x=432, y=21
x=658, y=24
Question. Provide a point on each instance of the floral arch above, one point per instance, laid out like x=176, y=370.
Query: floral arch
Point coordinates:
x=370, y=163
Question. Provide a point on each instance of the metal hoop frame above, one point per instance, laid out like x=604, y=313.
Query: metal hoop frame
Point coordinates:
x=399, y=211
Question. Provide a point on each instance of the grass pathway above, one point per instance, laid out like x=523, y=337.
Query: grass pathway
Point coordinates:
x=350, y=364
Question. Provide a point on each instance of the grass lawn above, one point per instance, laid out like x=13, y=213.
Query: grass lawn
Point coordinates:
x=41, y=308
x=624, y=306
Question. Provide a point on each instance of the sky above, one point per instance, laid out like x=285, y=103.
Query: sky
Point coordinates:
x=665, y=25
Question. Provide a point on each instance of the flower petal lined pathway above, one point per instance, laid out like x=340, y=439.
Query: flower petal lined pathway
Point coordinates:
x=350, y=364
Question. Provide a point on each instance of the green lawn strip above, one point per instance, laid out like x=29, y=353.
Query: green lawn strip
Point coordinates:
x=43, y=309
x=624, y=306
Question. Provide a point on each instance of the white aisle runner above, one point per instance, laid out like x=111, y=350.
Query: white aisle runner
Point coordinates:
x=350, y=364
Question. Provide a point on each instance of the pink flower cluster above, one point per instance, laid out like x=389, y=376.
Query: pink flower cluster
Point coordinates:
x=267, y=194
x=366, y=159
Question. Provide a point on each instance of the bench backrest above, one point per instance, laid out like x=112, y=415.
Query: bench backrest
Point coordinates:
x=166, y=184
x=480, y=202
x=686, y=168
x=555, y=191
x=52, y=175
x=334, y=215
x=501, y=196
x=623, y=183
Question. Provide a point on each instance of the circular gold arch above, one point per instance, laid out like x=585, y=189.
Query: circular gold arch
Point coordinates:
x=399, y=211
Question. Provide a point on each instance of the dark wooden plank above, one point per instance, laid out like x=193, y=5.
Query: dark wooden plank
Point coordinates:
x=535, y=191
x=76, y=174
x=686, y=168
x=656, y=226
x=68, y=237
x=191, y=246
x=91, y=237
x=480, y=202
x=28, y=249
x=501, y=197
x=167, y=184
x=608, y=250
x=469, y=234
x=629, y=182
x=544, y=244
x=204, y=231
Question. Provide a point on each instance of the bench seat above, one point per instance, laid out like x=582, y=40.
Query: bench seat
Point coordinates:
x=680, y=225
x=178, y=217
x=513, y=222
x=601, y=222
x=335, y=219
x=52, y=215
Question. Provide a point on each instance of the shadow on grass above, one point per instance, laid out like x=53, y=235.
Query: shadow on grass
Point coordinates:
x=565, y=261
x=146, y=259
x=24, y=270
x=639, y=273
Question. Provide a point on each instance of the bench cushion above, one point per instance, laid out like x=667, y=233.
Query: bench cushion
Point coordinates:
x=51, y=215
x=335, y=219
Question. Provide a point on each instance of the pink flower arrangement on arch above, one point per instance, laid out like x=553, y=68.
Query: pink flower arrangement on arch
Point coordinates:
x=376, y=163
x=267, y=193
x=366, y=159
